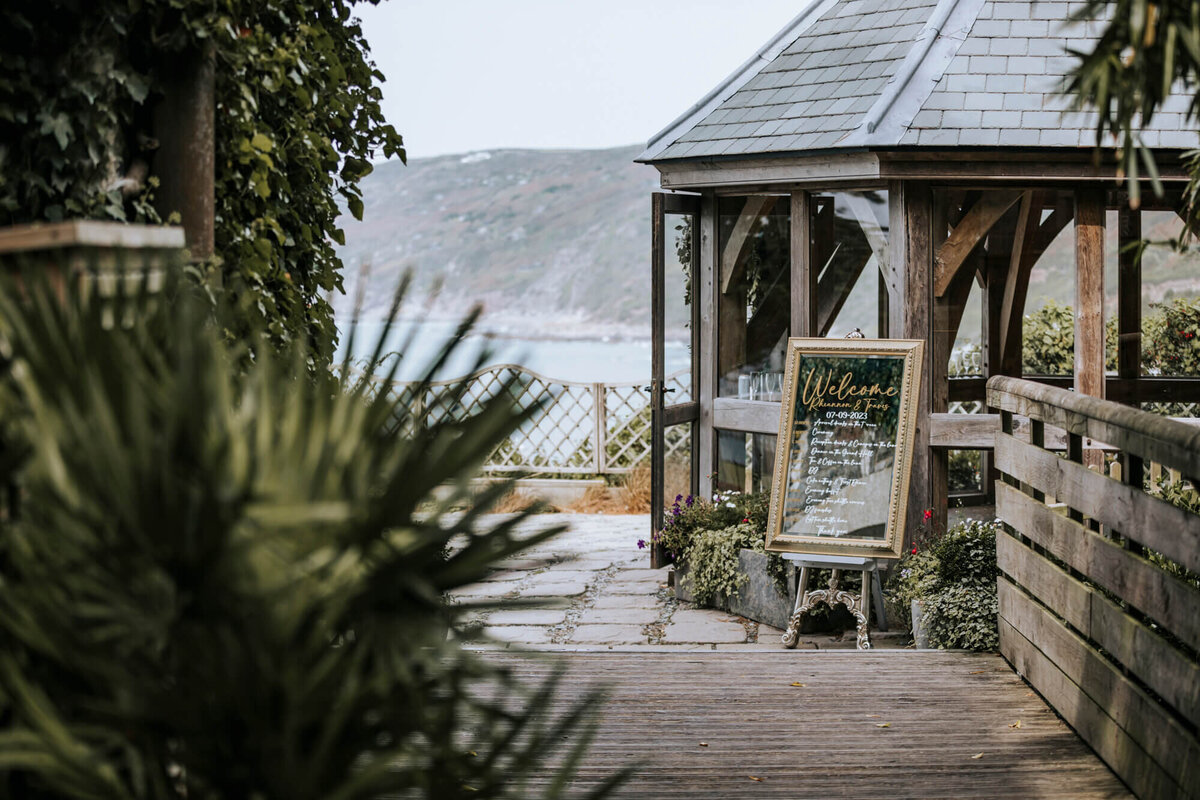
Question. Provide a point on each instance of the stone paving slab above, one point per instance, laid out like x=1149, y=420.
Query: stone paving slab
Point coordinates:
x=555, y=575
x=713, y=631
x=619, y=616
x=638, y=575
x=563, y=589
x=522, y=634
x=505, y=576
x=624, y=601
x=609, y=634
x=649, y=588
x=527, y=616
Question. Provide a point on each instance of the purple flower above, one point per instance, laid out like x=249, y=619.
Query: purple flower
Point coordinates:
x=690, y=500
x=678, y=498
x=641, y=544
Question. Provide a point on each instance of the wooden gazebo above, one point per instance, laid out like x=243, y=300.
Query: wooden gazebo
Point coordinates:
x=867, y=168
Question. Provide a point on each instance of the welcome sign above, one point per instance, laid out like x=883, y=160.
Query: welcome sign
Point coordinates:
x=844, y=452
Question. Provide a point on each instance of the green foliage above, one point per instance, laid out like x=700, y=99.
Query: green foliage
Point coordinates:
x=297, y=124
x=712, y=560
x=967, y=553
x=963, y=615
x=1171, y=338
x=955, y=577
x=688, y=516
x=1048, y=342
x=1146, y=48
x=1182, y=494
x=913, y=578
x=226, y=578
x=964, y=470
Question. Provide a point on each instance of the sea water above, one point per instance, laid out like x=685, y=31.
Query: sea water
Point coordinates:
x=608, y=360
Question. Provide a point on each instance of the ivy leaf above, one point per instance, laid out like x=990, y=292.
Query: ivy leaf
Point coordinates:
x=356, y=207
x=59, y=125
x=138, y=87
x=261, y=142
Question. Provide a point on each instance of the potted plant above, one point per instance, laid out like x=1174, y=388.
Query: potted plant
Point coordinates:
x=946, y=586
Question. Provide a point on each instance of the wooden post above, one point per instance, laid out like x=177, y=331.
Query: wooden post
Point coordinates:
x=912, y=242
x=804, y=282
x=1129, y=292
x=1089, y=299
x=186, y=156
x=600, y=404
x=703, y=292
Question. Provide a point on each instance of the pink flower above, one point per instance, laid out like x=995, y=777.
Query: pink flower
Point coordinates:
x=928, y=514
x=914, y=551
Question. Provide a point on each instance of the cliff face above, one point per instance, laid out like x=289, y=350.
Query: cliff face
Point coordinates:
x=537, y=236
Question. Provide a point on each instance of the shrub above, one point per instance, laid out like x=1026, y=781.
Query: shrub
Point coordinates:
x=964, y=470
x=691, y=515
x=954, y=574
x=713, y=561
x=963, y=615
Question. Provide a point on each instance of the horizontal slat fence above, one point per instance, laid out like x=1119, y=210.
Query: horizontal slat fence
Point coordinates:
x=1099, y=609
x=582, y=427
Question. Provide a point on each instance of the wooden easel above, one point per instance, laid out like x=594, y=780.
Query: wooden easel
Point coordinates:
x=857, y=604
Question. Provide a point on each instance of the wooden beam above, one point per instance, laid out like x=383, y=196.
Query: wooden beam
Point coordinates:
x=1129, y=292
x=837, y=281
x=864, y=214
x=896, y=278
x=1035, y=241
x=1089, y=292
x=967, y=235
x=736, y=250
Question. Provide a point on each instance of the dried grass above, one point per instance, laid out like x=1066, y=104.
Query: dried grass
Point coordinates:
x=632, y=496
x=516, y=501
x=634, y=493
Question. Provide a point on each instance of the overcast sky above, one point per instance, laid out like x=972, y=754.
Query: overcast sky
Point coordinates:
x=480, y=74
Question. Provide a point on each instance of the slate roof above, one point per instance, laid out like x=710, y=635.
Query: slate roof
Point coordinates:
x=849, y=74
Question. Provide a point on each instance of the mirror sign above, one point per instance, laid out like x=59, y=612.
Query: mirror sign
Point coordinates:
x=845, y=447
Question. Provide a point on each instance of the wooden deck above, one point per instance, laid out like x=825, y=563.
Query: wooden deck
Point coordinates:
x=870, y=725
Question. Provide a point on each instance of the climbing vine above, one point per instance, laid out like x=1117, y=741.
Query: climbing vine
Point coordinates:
x=297, y=124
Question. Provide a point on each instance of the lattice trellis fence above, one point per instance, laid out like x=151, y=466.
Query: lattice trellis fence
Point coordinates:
x=581, y=428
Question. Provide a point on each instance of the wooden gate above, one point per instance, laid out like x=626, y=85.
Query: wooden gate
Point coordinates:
x=1099, y=597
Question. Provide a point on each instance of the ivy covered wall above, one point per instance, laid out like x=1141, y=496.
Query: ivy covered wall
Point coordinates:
x=297, y=123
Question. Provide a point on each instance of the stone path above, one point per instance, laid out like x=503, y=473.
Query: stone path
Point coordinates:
x=591, y=588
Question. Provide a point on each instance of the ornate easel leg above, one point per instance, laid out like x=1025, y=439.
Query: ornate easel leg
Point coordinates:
x=792, y=634
x=862, y=613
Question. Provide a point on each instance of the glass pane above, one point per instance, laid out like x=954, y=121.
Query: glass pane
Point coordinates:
x=677, y=480
x=745, y=461
x=753, y=289
x=678, y=260
x=1169, y=292
x=1048, y=324
x=848, y=250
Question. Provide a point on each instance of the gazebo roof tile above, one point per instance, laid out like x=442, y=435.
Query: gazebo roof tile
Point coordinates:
x=886, y=73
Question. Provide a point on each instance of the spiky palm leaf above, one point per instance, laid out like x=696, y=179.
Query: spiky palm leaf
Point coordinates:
x=227, y=576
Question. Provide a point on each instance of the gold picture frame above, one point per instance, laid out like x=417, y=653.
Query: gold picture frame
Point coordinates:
x=846, y=428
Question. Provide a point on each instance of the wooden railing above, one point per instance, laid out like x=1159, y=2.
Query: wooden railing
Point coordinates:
x=1099, y=605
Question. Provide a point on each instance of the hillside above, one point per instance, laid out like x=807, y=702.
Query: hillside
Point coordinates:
x=545, y=239
x=556, y=242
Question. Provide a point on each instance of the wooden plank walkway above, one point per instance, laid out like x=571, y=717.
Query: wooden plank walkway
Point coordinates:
x=863, y=725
